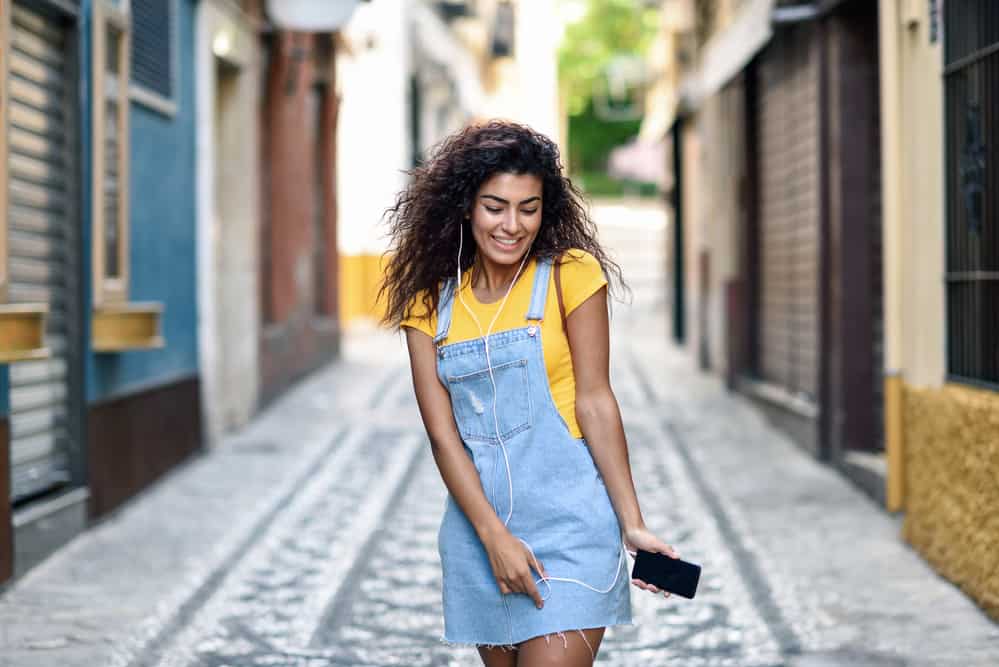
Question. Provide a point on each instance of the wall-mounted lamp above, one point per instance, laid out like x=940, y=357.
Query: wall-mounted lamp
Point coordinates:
x=222, y=43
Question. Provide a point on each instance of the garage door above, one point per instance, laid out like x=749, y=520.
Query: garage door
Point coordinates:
x=42, y=128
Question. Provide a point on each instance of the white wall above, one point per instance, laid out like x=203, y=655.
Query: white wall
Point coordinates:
x=373, y=145
x=228, y=220
x=525, y=88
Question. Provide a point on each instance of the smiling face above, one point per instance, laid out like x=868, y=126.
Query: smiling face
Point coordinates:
x=506, y=216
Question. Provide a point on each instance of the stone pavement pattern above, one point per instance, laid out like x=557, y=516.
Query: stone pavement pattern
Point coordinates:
x=309, y=539
x=339, y=565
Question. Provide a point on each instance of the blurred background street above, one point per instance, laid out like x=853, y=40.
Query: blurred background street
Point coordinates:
x=210, y=452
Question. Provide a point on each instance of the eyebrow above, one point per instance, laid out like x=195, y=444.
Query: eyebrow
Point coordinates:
x=503, y=201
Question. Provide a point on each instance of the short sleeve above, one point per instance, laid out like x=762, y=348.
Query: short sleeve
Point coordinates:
x=418, y=317
x=581, y=276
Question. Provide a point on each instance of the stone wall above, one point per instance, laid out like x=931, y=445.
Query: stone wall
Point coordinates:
x=952, y=475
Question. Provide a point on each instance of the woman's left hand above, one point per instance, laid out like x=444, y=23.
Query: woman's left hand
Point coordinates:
x=642, y=538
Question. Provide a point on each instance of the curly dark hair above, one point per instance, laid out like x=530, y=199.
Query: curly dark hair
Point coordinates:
x=424, y=221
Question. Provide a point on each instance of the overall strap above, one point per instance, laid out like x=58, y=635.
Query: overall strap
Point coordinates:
x=539, y=295
x=445, y=303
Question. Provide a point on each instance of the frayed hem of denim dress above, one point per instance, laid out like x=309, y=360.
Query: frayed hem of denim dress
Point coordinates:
x=558, y=634
x=514, y=645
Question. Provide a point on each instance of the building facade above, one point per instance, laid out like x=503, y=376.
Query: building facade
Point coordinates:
x=168, y=248
x=101, y=386
x=834, y=210
x=941, y=212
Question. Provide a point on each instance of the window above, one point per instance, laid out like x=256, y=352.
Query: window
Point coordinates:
x=503, y=30
x=971, y=79
x=154, y=53
x=110, y=153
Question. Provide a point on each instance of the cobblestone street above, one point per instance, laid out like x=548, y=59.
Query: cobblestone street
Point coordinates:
x=309, y=538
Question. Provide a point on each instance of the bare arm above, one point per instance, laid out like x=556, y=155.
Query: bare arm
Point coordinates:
x=509, y=558
x=599, y=418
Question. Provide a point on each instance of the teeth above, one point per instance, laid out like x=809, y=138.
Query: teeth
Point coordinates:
x=506, y=241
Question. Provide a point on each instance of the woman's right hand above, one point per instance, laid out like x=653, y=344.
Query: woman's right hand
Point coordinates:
x=512, y=563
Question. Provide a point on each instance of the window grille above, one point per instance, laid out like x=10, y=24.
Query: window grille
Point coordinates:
x=971, y=79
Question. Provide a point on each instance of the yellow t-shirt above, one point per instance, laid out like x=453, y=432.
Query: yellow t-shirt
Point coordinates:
x=581, y=276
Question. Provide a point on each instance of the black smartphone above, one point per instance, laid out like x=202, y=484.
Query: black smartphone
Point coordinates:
x=669, y=574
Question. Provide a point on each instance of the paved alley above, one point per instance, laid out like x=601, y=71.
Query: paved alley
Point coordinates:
x=309, y=538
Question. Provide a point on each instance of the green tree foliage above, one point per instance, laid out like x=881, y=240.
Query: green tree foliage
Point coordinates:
x=607, y=28
x=605, y=31
x=591, y=139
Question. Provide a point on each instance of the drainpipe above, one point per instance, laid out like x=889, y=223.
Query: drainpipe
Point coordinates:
x=891, y=170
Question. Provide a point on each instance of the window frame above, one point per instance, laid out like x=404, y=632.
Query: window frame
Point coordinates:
x=108, y=290
x=149, y=98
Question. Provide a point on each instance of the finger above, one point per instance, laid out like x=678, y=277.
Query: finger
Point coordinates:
x=532, y=590
x=664, y=548
x=640, y=584
x=504, y=589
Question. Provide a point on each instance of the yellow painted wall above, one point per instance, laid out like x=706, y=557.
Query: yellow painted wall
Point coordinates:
x=360, y=277
x=952, y=477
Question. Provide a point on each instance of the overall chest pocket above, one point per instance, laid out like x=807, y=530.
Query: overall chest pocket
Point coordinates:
x=472, y=401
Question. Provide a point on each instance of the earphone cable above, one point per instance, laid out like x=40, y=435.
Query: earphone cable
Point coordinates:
x=499, y=437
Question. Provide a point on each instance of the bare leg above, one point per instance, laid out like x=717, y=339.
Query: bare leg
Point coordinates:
x=498, y=657
x=572, y=648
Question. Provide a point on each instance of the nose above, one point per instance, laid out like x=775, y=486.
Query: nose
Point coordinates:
x=511, y=223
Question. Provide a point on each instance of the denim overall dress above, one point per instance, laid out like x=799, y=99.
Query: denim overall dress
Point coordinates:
x=560, y=506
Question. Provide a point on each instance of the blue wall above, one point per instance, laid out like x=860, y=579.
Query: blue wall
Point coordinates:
x=163, y=229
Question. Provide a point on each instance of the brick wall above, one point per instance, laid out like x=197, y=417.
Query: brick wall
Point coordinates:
x=298, y=142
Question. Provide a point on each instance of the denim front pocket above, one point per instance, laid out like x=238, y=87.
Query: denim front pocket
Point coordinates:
x=472, y=400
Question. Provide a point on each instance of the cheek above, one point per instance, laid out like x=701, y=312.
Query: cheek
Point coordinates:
x=480, y=225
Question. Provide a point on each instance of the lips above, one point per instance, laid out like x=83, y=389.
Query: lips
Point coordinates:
x=505, y=243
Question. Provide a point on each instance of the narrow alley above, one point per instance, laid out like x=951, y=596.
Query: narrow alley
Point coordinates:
x=308, y=538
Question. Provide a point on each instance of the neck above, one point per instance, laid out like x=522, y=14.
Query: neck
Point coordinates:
x=493, y=277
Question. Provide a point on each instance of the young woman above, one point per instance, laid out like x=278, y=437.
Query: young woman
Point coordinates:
x=496, y=275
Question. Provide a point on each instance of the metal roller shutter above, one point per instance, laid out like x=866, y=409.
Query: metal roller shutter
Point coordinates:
x=41, y=134
x=789, y=214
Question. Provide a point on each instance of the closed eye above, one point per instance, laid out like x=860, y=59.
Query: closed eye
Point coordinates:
x=493, y=210
x=531, y=212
